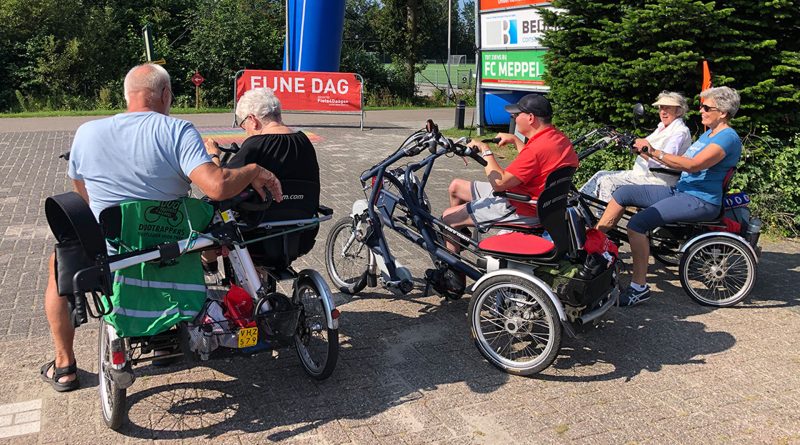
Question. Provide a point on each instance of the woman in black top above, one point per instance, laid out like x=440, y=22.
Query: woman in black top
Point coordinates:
x=287, y=153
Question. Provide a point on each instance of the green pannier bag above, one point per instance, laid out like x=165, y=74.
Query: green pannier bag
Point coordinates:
x=150, y=297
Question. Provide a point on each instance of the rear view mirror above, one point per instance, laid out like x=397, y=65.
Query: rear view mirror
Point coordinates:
x=638, y=112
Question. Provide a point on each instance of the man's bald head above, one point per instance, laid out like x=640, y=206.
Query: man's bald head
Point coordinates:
x=146, y=85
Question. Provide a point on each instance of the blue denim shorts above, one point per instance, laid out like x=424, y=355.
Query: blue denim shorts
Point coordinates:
x=662, y=205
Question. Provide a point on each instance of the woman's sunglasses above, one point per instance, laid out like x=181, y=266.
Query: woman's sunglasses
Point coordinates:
x=706, y=108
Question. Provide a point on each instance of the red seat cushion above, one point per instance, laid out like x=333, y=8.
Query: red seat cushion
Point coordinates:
x=516, y=243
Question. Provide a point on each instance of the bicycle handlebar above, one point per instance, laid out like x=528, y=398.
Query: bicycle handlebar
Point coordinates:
x=610, y=136
x=234, y=148
x=430, y=138
x=242, y=200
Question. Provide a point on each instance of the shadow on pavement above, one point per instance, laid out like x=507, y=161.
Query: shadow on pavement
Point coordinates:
x=778, y=278
x=386, y=359
x=659, y=333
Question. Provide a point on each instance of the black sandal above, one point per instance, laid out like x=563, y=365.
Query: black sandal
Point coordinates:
x=58, y=373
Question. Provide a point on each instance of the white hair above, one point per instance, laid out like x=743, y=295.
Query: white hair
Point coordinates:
x=148, y=77
x=727, y=99
x=261, y=103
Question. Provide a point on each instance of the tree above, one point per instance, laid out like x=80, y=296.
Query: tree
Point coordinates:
x=408, y=29
x=608, y=55
x=227, y=36
x=465, y=29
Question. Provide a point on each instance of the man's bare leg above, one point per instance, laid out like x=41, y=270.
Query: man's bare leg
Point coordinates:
x=456, y=217
x=460, y=191
x=61, y=328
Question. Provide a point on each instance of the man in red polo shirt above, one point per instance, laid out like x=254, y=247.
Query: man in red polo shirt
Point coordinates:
x=472, y=202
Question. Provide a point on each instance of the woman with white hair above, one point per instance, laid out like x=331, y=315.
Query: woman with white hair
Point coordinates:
x=696, y=197
x=289, y=154
x=672, y=136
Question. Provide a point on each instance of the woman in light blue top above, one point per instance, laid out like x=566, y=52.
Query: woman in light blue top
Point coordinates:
x=696, y=197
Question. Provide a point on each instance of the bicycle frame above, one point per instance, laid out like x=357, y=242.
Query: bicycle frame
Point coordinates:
x=243, y=266
x=379, y=208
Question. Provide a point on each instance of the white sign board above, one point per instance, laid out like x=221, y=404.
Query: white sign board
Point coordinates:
x=516, y=29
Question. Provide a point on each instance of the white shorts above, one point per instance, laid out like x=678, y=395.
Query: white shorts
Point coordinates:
x=485, y=209
x=605, y=182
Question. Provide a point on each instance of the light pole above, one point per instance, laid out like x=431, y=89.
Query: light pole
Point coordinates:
x=449, y=33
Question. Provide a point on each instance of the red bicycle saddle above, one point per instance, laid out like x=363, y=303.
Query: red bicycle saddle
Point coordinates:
x=517, y=244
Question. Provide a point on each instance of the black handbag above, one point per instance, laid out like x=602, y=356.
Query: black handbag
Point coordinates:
x=70, y=258
x=80, y=240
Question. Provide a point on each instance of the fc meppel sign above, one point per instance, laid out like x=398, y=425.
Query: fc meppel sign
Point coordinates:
x=512, y=29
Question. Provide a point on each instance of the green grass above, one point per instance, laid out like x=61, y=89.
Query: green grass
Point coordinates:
x=508, y=152
x=191, y=110
x=63, y=113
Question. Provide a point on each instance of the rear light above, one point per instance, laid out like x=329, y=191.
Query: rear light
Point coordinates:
x=118, y=357
x=335, y=314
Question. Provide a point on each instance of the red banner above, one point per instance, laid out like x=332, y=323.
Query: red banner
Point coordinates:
x=487, y=5
x=306, y=91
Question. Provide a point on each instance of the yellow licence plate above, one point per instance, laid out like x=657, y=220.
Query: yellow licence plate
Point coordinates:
x=248, y=337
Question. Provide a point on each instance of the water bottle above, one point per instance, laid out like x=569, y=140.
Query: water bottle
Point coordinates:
x=753, y=231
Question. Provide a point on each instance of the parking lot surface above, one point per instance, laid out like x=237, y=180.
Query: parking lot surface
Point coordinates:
x=667, y=371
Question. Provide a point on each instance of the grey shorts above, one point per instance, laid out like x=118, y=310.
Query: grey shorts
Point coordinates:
x=486, y=209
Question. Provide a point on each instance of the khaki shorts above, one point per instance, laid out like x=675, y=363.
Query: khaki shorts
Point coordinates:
x=485, y=209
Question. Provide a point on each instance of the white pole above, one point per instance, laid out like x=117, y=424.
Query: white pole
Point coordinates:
x=449, y=33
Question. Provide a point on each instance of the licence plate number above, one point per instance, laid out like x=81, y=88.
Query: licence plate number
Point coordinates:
x=248, y=337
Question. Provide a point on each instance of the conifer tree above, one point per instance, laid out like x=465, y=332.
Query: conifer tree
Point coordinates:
x=610, y=54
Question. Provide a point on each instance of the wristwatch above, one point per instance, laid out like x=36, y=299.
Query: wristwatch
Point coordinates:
x=486, y=153
x=661, y=155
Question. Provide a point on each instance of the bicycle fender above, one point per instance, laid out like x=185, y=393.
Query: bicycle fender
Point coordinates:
x=533, y=280
x=692, y=241
x=325, y=293
x=359, y=207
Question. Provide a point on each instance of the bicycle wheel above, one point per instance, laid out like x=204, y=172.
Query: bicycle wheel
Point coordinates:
x=317, y=345
x=346, y=256
x=718, y=271
x=664, y=247
x=112, y=398
x=514, y=325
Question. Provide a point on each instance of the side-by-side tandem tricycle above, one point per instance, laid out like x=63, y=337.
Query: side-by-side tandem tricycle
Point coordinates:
x=154, y=301
x=531, y=283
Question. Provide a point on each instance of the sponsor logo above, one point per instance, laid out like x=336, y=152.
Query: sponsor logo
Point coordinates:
x=169, y=210
x=501, y=32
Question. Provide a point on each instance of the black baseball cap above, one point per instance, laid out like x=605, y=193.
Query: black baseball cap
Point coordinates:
x=535, y=104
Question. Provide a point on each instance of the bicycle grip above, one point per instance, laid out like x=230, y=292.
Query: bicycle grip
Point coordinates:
x=80, y=309
x=479, y=159
x=492, y=140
